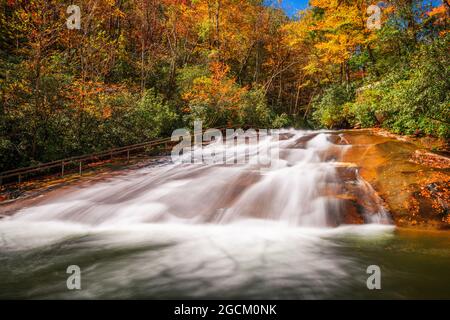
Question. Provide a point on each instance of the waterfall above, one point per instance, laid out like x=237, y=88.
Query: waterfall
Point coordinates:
x=278, y=225
x=306, y=184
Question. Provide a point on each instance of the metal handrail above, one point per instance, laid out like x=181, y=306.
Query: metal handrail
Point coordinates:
x=86, y=156
x=80, y=159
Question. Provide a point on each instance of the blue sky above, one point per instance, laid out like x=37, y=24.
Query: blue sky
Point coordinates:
x=290, y=6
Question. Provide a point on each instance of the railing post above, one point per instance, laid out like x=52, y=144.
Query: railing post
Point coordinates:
x=138, y=148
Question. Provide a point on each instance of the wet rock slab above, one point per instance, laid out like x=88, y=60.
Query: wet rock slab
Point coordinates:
x=416, y=194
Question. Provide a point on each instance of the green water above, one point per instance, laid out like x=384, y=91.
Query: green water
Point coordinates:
x=229, y=262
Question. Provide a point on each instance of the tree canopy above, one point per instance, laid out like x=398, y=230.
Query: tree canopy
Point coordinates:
x=137, y=69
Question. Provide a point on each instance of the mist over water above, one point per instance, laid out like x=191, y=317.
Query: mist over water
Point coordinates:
x=257, y=229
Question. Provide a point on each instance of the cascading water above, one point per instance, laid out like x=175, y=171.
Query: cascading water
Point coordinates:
x=247, y=230
x=292, y=190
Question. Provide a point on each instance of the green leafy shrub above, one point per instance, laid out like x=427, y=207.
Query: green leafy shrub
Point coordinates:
x=411, y=98
x=254, y=109
x=281, y=121
x=330, y=109
x=153, y=117
x=420, y=102
x=363, y=112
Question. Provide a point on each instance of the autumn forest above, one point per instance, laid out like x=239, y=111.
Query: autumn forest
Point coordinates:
x=137, y=69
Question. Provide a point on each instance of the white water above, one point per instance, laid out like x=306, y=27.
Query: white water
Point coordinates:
x=289, y=191
x=206, y=228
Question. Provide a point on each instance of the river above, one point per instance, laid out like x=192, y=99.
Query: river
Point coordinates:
x=304, y=226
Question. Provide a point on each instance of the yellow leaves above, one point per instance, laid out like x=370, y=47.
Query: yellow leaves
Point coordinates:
x=333, y=34
x=201, y=89
x=324, y=4
x=295, y=33
x=312, y=68
x=442, y=17
x=107, y=112
x=389, y=9
x=216, y=91
x=219, y=70
x=229, y=26
x=93, y=97
x=438, y=11
x=118, y=13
